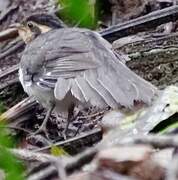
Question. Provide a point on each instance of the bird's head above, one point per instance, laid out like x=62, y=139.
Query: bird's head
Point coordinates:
x=37, y=24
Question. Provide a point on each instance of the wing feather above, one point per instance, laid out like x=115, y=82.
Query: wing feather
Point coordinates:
x=90, y=95
x=110, y=82
x=82, y=62
x=92, y=78
x=77, y=91
x=62, y=87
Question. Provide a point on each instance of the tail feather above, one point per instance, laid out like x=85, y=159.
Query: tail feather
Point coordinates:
x=76, y=91
x=134, y=86
x=109, y=81
x=91, y=76
x=89, y=93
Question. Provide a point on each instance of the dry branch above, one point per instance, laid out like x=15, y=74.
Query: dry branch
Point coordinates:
x=157, y=141
x=74, y=140
x=12, y=49
x=30, y=156
x=142, y=23
x=9, y=83
x=20, y=111
x=8, y=34
x=9, y=71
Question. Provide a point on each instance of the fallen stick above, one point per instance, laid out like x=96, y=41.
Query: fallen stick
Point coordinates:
x=12, y=49
x=19, y=111
x=9, y=71
x=9, y=83
x=28, y=155
x=142, y=23
x=82, y=137
x=8, y=34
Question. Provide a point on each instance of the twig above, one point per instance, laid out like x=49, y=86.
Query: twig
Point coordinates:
x=157, y=141
x=10, y=44
x=19, y=110
x=76, y=163
x=92, y=115
x=30, y=156
x=142, y=23
x=9, y=71
x=72, y=163
x=71, y=140
x=16, y=128
x=12, y=49
x=43, y=174
x=9, y=83
x=8, y=34
x=11, y=9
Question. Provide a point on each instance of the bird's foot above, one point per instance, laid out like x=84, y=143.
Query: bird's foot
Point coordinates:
x=42, y=128
x=65, y=133
x=70, y=116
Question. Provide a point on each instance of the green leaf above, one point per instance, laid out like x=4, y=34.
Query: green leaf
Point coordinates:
x=8, y=163
x=79, y=12
x=58, y=151
x=2, y=108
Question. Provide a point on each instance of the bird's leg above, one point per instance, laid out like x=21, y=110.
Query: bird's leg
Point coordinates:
x=42, y=128
x=70, y=115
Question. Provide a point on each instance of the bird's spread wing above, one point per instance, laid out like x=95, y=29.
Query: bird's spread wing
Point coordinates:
x=82, y=62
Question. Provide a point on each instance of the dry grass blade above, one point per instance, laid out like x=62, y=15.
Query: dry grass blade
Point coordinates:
x=19, y=111
x=8, y=71
x=12, y=49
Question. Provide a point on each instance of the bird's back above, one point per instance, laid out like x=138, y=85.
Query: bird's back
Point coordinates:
x=81, y=62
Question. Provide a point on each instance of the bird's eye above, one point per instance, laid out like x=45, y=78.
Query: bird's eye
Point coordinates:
x=30, y=25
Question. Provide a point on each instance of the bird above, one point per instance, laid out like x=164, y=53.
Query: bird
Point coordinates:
x=64, y=67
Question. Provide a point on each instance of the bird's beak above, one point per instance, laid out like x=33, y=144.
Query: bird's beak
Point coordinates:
x=19, y=27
